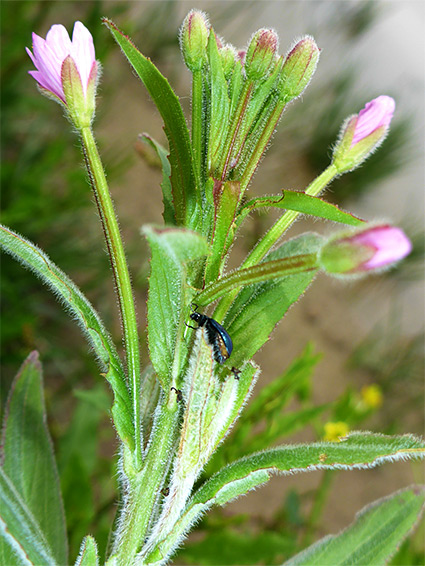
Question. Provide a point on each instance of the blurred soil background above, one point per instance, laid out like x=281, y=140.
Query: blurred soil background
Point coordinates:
x=369, y=331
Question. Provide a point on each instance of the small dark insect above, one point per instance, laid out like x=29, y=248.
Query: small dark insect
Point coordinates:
x=179, y=394
x=217, y=336
x=236, y=372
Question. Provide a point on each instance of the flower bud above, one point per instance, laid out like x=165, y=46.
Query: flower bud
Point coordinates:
x=362, y=133
x=368, y=249
x=67, y=70
x=261, y=54
x=193, y=40
x=298, y=68
x=228, y=58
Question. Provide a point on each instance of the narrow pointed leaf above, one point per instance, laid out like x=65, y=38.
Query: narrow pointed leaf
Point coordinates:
x=301, y=202
x=374, y=537
x=259, y=307
x=28, y=459
x=183, y=182
x=33, y=258
x=169, y=295
x=169, y=213
x=359, y=450
x=88, y=553
x=226, y=198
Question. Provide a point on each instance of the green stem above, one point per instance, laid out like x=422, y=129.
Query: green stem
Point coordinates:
x=197, y=122
x=144, y=490
x=236, y=123
x=121, y=276
x=274, y=234
x=262, y=272
x=261, y=145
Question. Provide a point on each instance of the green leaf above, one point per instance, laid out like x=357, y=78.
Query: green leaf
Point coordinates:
x=259, y=307
x=226, y=198
x=29, y=464
x=169, y=214
x=88, y=553
x=264, y=271
x=33, y=258
x=358, y=450
x=183, y=182
x=21, y=539
x=375, y=535
x=169, y=295
x=301, y=202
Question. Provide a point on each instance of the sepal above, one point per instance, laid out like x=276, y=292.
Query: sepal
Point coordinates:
x=80, y=108
x=298, y=68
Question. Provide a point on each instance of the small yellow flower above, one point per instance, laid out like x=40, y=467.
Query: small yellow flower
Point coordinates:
x=372, y=396
x=335, y=431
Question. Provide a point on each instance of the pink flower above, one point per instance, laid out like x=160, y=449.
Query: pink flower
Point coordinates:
x=50, y=54
x=367, y=249
x=376, y=114
x=388, y=243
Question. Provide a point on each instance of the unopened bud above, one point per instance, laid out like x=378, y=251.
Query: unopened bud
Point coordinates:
x=362, y=133
x=228, y=58
x=193, y=39
x=298, y=68
x=368, y=249
x=261, y=54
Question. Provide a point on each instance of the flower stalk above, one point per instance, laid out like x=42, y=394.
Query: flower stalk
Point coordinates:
x=121, y=276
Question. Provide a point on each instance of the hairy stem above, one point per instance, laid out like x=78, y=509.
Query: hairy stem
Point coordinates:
x=121, y=276
x=273, y=235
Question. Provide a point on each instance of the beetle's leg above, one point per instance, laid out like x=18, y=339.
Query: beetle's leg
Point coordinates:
x=236, y=372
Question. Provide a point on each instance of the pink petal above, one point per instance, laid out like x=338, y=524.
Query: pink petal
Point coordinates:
x=376, y=114
x=390, y=243
x=49, y=54
x=57, y=39
x=48, y=64
x=83, y=52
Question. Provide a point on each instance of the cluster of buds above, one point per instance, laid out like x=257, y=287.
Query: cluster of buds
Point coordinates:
x=248, y=92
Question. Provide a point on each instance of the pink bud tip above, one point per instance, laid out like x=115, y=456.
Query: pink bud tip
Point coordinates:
x=389, y=243
x=50, y=53
x=376, y=114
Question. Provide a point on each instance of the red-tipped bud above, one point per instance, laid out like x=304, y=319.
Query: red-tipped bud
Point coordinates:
x=193, y=39
x=362, y=133
x=368, y=249
x=260, y=57
x=298, y=68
